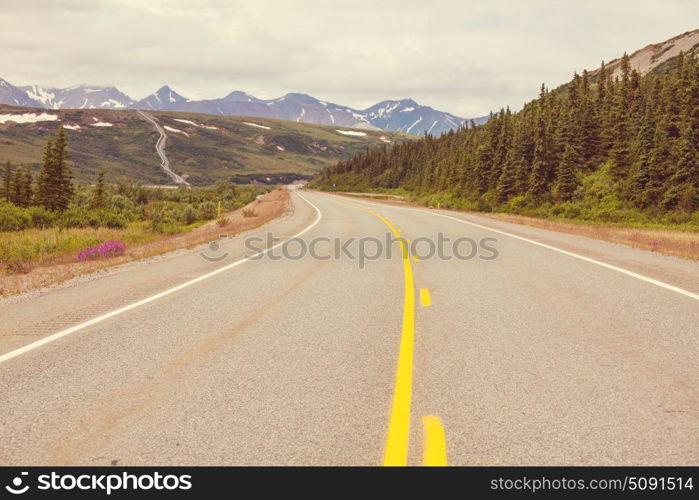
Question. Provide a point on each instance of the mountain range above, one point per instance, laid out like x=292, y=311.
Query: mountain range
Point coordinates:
x=404, y=115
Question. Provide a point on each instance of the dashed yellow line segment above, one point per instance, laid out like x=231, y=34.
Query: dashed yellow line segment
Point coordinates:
x=425, y=298
x=434, y=452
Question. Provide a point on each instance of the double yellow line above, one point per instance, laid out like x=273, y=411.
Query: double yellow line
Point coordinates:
x=396, y=452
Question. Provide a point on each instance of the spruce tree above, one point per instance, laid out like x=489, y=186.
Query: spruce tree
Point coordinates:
x=684, y=183
x=540, y=170
x=64, y=177
x=7, y=181
x=55, y=188
x=566, y=179
x=657, y=168
x=27, y=190
x=98, y=198
x=17, y=188
x=45, y=194
x=620, y=154
x=507, y=180
x=645, y=147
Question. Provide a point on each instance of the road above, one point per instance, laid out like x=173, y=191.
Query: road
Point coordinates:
x=562, y=350
x=160, y=149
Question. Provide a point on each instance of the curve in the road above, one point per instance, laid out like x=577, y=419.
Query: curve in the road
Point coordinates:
x=160, y=149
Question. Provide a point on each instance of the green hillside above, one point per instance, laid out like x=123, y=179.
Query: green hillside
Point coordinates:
x=214, y=147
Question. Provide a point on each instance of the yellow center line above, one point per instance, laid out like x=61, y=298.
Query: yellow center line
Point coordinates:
x=396, y=452
x=425, y=298
x=435, y=446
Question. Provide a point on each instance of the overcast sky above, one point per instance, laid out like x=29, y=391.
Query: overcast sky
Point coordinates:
x=462, y=56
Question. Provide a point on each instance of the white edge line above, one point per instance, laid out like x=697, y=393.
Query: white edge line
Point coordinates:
x=116, y=312
x=641, y=277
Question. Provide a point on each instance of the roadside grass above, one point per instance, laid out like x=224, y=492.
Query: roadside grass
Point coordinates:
x=49, y=256
x=678, y=243
x=22, y=250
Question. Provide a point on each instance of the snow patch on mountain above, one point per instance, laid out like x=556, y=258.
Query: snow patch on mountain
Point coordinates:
x=250, y=124
x=176, y=130
x=415, y=123
x=351, y=132
x=28, y=117
x=195, y=124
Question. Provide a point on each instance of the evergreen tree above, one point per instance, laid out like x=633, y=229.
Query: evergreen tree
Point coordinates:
x=685, y=181
x=620, y=154
x=98, y=198
x=26, y=190
x=645, y=147
x=7, y=181
x=17, y=188
x=55, y=188
x=657, y=168
x=507, y=181
x=541, y=169
x=64, y=177
x=566, y=179
x=45, y=193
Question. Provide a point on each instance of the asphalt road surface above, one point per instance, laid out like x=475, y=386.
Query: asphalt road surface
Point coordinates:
x=561, y=350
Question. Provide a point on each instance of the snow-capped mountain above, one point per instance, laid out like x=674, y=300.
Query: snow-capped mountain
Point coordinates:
x=408, y=116
x=79, y=97
x=163, y=98
x=15, y=96
x=404, y=115
x=293, y=107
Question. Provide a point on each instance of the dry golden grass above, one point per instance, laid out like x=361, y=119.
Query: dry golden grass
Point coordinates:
x=65, y=267
x=683, y=244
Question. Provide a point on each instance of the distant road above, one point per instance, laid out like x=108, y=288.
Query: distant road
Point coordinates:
x=160, y=149
x=563, y=350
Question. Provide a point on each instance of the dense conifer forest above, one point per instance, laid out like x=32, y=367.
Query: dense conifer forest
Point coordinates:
x=611, y=148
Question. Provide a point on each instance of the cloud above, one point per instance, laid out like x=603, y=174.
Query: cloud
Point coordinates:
x=466, y=57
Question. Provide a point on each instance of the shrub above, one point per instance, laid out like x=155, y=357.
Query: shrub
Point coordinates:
x=187, y=215
x=566, y=210
x=110, y=219
x=207, y=210
x=222, y=221
x=14, y=218
x=41, y=218
x=516, y=204
x=249, y=212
